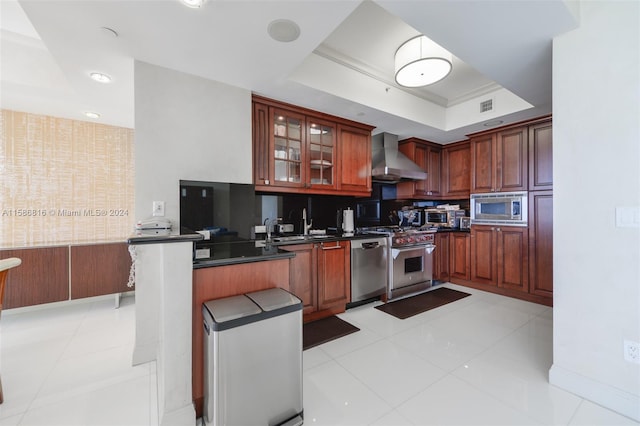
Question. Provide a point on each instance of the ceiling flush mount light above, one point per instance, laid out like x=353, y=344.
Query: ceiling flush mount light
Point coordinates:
x=92, y=114
x=283, y=30
x=100, y=77
x=420, y=62
x=193, y=3
x=493, y=123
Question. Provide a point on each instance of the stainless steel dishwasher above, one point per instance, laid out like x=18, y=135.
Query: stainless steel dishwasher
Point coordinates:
x=369, y=269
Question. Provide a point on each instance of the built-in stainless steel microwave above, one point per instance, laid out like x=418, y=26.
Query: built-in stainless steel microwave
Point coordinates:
x=499, y=208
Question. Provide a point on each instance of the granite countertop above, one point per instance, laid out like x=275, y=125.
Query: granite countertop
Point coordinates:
x=234, y=252
x=227, y=251
x=467, y=231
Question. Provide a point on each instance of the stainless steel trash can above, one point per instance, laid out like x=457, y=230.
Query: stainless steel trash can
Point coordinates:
x=253, y=359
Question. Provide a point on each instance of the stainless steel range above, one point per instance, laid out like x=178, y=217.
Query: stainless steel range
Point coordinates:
x=410, y=259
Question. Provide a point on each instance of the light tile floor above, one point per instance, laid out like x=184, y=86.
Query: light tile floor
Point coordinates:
x=482, y=360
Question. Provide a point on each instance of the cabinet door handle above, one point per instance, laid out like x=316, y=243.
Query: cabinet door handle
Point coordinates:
x=266, y=182
x=330, y=248
x=498, y=229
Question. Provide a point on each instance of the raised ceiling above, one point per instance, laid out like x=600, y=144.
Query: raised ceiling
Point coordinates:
x=341, y=64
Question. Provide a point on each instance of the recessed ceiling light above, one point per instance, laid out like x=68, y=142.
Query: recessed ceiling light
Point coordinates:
x=194, y=3
x=100, y=77
x=92, y=114
x=493, y=123
x=283, y=30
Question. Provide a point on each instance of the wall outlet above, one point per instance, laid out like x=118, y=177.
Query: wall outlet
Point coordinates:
x=632, y=351
x=158, y=208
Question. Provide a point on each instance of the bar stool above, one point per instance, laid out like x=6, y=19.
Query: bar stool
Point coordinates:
x=5, y=266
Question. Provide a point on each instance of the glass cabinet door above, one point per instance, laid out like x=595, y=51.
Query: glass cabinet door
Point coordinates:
x=288, y=153
x=321, y=141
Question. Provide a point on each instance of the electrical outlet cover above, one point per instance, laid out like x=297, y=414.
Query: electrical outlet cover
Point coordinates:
x=158, y=208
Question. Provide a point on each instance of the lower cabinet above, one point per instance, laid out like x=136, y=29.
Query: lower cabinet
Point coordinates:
x=541, y=243
x=441, y=257
x=460, y=257
x=320, y=275
x=499, y=256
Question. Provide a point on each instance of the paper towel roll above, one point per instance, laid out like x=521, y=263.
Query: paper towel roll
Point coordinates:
x=347, y=220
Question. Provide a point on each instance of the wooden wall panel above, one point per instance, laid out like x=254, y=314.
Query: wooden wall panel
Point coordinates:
x=99, y=269
x=43, y=277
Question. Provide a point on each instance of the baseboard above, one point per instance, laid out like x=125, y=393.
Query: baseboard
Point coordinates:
x=600, y=393
x=63, y=303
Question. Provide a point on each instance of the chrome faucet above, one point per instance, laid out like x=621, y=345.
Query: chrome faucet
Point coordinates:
x=305, y=226
x=270, y=224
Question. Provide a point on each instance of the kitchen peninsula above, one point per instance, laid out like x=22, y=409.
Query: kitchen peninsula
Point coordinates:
x=171, y=289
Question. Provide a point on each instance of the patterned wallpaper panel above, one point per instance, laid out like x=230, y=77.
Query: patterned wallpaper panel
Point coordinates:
x=64, y=181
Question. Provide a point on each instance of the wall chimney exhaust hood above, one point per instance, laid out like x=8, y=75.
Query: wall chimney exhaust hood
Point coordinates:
x=389, y=164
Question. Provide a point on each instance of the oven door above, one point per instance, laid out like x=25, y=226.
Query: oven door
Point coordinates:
x=411, y=269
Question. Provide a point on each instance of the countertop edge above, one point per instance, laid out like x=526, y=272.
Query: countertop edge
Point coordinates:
x=249, y=259
x=162, y=239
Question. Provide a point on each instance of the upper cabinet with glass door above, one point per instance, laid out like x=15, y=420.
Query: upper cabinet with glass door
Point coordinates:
x=321, y=143
x=288, y=148
x=297, y=150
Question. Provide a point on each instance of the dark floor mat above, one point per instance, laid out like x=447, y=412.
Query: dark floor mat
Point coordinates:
x=414, y=305
x=325, y=330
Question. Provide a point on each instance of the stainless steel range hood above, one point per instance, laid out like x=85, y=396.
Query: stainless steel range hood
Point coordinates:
x=389, y=164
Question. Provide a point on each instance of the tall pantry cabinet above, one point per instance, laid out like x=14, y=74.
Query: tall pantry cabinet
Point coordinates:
x=512, y=260
x=541, y=209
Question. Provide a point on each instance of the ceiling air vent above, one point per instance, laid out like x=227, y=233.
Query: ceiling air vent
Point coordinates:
x=486, y=105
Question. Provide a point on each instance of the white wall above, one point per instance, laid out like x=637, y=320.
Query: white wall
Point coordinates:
x=189, y=128
x=596, y=132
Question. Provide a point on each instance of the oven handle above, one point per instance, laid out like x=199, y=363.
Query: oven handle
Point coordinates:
x=429, y=248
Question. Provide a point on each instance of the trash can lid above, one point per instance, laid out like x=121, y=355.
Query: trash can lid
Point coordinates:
x=273, y=298
x=230, y=308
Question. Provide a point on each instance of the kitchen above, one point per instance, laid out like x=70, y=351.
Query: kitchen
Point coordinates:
x=193, y=111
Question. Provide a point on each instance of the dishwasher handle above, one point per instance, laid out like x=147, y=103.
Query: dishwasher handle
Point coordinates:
x=371, y=245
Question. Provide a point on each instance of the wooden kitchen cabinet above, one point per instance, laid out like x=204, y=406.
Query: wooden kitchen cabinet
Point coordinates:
x=296, y=150
x=541, y=156
x=499, y=256
x=99, y=269
x=460, y=257
x=320, y=275
x=499, y=161
x=428, y=156
x=303, y=275
x=541, y=243
x=441, y=257
x=355, y=159
x=456, y=171
x=334, y=275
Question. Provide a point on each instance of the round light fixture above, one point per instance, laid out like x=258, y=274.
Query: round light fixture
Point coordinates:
x=100, y=77
x=92, y=114
x=493, y=123
x=420, y=62
x=283, y=30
